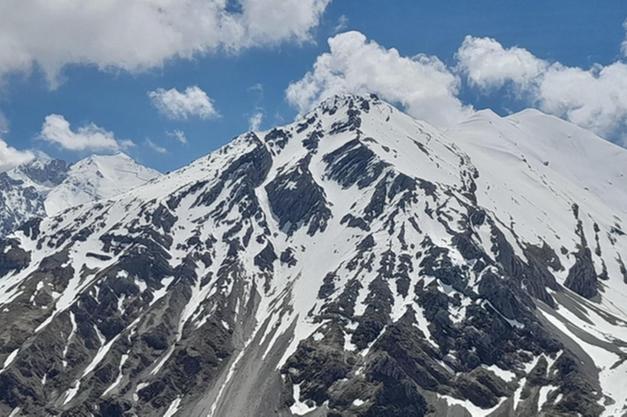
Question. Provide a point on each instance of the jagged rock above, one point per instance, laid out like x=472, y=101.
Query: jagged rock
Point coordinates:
x=297, y=200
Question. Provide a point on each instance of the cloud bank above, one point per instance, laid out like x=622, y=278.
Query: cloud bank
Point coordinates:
x=486, y=64
x=423, y=85
x=594, y=98
x=141, y=34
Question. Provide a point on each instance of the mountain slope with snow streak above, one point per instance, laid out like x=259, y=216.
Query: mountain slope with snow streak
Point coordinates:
x=357, y=262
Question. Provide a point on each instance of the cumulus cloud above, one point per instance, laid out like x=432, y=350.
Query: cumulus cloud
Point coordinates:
x=11, y=157
x=155, y=147
x=141, y=34
x=193, y=102
x=423, y=85
x=254, y=122
x=486, y=64
x=178, y=135
x=594, y=98
x=57, y=130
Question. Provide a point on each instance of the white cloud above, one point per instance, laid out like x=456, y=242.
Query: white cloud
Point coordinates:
x=423, y=85
x=594, y=98
x=486, y=64
x=257, y=89
x=341, y=25
x=140, y=34
x=624, y=44
x=11, y=157
x=178, y=135
x=4, y=124
x=155, y=147
x=254, y=122
x=193, y=102
x=271, y=21
x=57, y=130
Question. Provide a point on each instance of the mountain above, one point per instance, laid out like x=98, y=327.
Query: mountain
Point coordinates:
x=95, y=178
x=46, y=186
x=354, y=263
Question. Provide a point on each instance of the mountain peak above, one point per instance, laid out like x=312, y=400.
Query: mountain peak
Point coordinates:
x=97, y=177
x=347, y=100
x=41, y=171
x=105, y=158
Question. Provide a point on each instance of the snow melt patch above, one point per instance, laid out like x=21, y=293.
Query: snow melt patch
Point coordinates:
x=120, y=376
x=173, y=408
x=299, y=408
x=505, y=375
x=9, y=360
x=474, y=410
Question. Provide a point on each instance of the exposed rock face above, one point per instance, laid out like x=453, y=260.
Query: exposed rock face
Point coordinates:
x=296, y=199
x=582, y=277
x=355, y=263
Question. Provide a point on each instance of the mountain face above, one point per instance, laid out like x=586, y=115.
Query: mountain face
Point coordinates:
x=47, y=186
x=355, y=263
x=23, y=190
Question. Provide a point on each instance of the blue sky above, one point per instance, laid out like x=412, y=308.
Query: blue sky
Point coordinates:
x=253, y=78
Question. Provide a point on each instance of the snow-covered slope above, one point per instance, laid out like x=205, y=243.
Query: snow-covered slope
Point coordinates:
x=354, y=263
x=97, y=177
x=46, y=186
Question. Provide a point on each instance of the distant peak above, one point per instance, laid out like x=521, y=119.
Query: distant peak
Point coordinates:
x=104, y=158
x=481, y=116
x=488, y=113
x=39, y=162
x=41, y=155
x=529, y=111
x=118, y=155
x=122, y=155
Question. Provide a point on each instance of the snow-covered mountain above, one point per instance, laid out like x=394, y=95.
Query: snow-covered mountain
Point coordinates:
x=95, y=178
x=46, y=186
x=357, y=262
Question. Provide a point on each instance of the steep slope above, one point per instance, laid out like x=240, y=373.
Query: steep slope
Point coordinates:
x=47, y=186
x=354, y=263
